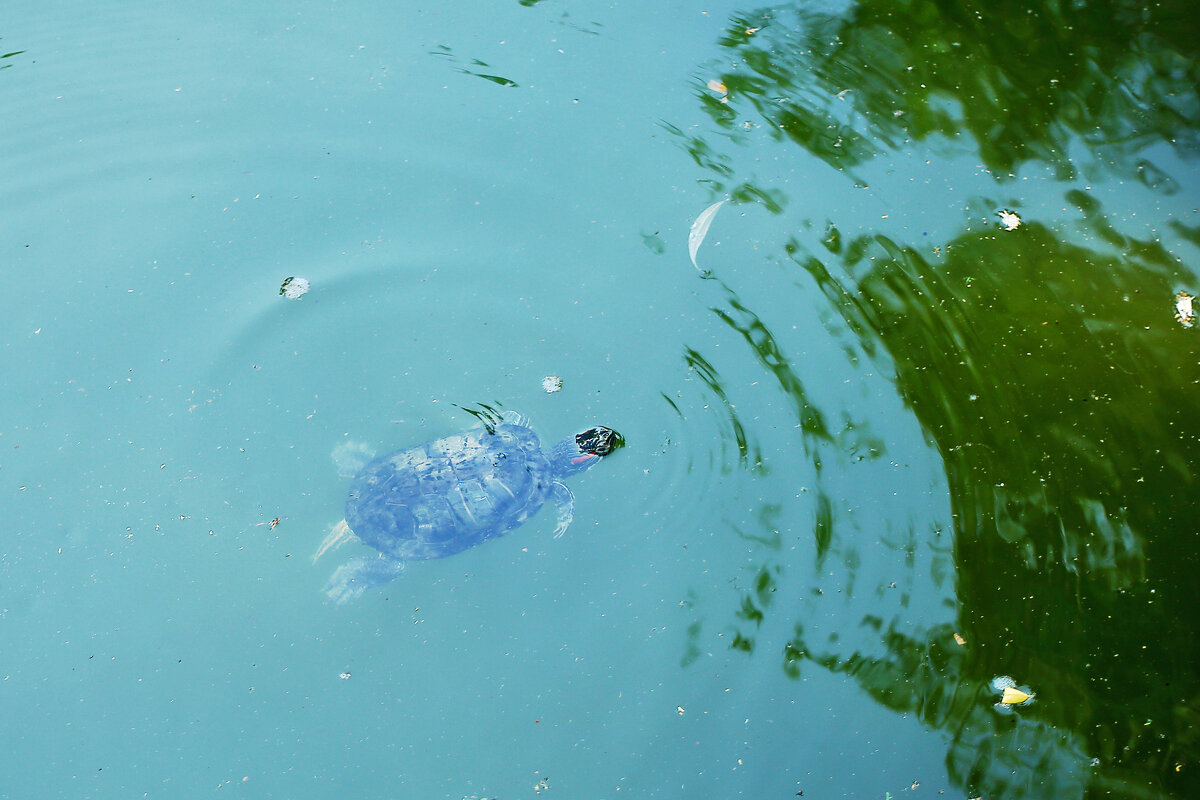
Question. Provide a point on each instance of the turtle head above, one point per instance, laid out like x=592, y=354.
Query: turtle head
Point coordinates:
x=584, y=450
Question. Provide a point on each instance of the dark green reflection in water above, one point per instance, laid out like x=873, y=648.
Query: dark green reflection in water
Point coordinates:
x=1044, y=365
x=749, y=456
x=1063, y=399
x=1024, y=81
x=472, y=68
x=7, y=64
x=770, y=356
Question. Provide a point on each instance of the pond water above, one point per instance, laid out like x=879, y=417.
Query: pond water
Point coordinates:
x=921, y=417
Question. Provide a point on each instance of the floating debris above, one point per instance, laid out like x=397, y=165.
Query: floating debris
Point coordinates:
x=552, y=384
x=272, y=524
x=294, y=288
x=1009, y=220
x=1185, y=314
x=1014, y=696
x=718, y=87
x=959, y=640
x=1011, y=695
x=344, y=676
x=700, y=230
x=496, y=79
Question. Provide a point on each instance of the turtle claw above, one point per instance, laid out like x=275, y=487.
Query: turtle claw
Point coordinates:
x=356, y=576
x=341, y=587
x=338, y=536
x=565, y=503
x=510, y=417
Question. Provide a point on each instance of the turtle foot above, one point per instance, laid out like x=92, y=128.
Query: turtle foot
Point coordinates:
x=354, y=577
x=510, y=417
x=564, y=501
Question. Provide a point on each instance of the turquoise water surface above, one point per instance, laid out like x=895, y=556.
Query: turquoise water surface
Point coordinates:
x=885, y=443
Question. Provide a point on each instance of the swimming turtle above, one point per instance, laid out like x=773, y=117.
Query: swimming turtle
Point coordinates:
x=444, y=496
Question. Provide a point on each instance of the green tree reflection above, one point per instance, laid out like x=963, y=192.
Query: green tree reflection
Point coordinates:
x=1044, y=365
x=1062, y=396
x=1026, y=82
x=7, y=64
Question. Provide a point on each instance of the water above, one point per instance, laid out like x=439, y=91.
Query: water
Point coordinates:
x=886, y=454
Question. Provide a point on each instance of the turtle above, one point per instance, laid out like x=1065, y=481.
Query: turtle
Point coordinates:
x=445, y=496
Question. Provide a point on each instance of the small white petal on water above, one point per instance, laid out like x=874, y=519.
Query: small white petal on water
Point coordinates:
x=551, y=384
x=294, y=288
x=1185, y=313
x=1009, y=220
x=700, y=229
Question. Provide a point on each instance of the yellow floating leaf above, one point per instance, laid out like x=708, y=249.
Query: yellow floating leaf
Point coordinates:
x=960, y=640
x=1013, y=696
x=717, y=86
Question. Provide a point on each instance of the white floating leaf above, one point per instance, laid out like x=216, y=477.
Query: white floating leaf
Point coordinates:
x=700, y=229
x=294, y=288
x=1009, y=220
x=1185, y=311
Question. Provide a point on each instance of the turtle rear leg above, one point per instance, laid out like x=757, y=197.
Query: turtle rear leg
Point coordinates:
x=338, y=536
x=356, y=576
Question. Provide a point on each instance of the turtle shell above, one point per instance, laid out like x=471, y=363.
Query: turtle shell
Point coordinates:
x=445, y=496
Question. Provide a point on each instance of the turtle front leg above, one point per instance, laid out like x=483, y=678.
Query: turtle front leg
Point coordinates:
x=565, y=502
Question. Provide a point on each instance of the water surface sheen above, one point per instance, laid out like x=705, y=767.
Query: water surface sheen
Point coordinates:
x=922, y=426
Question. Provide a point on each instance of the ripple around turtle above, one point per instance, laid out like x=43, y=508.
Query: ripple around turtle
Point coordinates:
x=688, y=480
